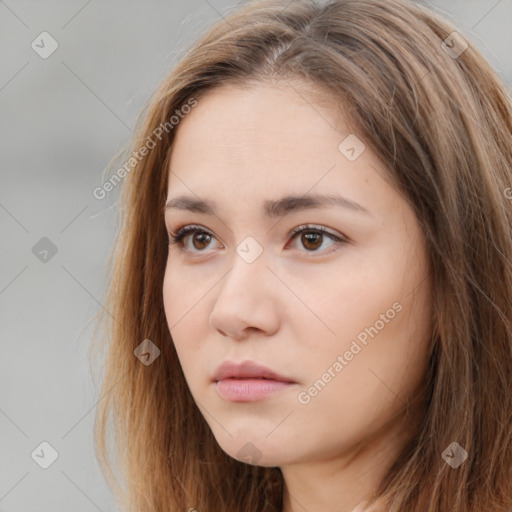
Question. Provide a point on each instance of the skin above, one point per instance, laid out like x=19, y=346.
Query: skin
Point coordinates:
x=300, y=304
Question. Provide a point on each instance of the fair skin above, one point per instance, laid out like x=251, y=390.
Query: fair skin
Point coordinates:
x=304, y=300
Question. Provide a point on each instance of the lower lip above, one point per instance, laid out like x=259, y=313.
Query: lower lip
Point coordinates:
x=249, y=390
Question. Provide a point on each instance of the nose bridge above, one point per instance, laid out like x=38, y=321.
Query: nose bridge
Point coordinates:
x=248, y=269
x=245, y=297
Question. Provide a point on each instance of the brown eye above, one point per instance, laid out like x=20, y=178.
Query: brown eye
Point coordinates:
x=199, y=237
x=311, y=241
x=200, y=240
x=313, y=237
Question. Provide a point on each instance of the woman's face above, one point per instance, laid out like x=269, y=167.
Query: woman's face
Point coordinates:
x=340, y=319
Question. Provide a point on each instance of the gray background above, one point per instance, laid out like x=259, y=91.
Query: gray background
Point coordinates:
x=63, y=119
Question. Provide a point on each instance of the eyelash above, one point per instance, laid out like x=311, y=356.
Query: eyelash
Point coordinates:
x=178, y=237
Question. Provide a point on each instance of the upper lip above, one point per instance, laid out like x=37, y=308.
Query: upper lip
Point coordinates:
x=247, y=370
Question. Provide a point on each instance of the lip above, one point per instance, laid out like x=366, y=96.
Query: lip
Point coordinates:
x=248, y=381
x=247, y=370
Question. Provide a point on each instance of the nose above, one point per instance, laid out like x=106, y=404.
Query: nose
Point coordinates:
x=247, y=300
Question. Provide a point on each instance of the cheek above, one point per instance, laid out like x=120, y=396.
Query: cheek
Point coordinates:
x=381, y=341
x=182, y=305
x=347, y=305
x=181, y=296
x=354, y=387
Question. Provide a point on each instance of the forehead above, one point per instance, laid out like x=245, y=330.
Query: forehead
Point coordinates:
x=264, y=125
x=265, y=141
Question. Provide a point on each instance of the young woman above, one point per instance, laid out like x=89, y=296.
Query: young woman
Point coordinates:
x=311, y=292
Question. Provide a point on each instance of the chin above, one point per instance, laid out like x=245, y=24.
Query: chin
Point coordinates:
x=258, y=451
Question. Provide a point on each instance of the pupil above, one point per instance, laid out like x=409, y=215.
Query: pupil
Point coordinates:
x=201, y=237
x=310, y=237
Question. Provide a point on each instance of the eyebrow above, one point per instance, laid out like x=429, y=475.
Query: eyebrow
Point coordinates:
x=272, y=208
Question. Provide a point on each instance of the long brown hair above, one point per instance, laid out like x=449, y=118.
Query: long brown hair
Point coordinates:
x=441, y=120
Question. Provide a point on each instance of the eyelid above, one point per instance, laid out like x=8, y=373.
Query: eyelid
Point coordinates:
x=180, y=233
x=315, y=227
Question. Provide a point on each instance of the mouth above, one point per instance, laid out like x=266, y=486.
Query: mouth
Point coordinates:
x=248, y=381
